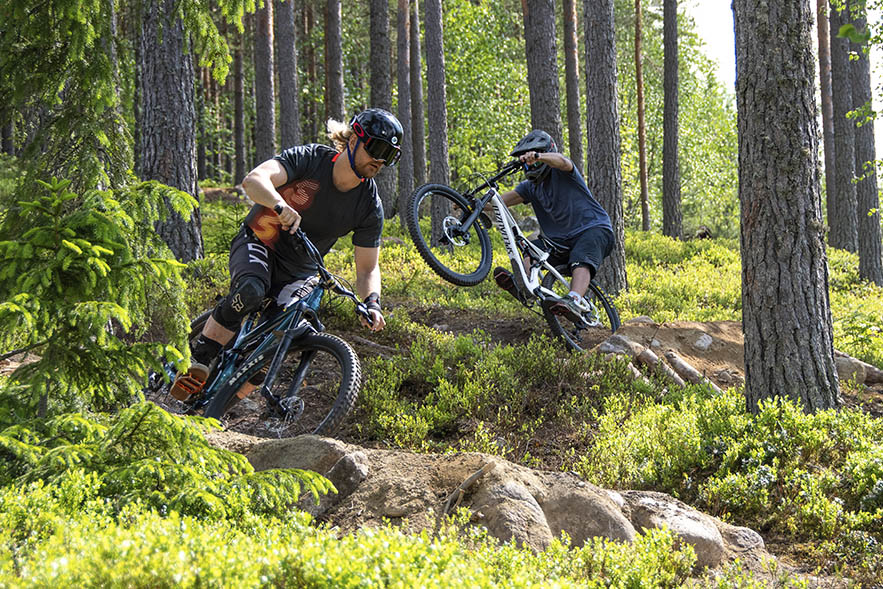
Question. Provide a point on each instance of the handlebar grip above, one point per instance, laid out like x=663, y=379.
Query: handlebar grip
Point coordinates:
x=362, y=311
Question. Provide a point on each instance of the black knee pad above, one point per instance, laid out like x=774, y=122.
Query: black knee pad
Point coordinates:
x=246, y=296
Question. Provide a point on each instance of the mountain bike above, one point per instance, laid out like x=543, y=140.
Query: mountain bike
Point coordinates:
x=460, y=251
x=309, y=378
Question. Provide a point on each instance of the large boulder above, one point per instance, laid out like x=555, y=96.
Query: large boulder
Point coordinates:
x=657, y=510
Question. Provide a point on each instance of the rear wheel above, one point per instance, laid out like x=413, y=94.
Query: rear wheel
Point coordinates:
x=318, y=384
x=594, y=326
x=460, y=257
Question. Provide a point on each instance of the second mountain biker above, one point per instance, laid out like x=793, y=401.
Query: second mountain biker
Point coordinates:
x=568, y=214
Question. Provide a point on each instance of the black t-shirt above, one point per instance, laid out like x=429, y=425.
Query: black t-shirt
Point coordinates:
x=326, y=213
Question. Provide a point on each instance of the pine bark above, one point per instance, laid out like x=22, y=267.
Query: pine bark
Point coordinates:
x=239, y=113
x=571, y=81
x=439, y=171
x=334, y=89
x=286, y=68
x=312, y=114
x=403, y=70
x=603, y=152
x=671, y=169
x=542, y=67
x=264, y=90
x=642, y=126
x=381, y=94
x=870, y=265
x=418, y=120
x=167, y=149
x=842, y=203
x=786, y=316
x=825, y=90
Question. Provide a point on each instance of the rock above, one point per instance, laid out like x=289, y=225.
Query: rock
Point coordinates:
x=345, y=467
x=584, y=511
x=655, y=510
x=640, y=320
x=511, y=512
x=703, y=343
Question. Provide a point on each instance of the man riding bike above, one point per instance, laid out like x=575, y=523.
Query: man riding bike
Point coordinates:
x=328, y=192
x=569, y=216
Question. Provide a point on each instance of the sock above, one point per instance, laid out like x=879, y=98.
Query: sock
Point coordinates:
x=574, y=295
x=204, y=350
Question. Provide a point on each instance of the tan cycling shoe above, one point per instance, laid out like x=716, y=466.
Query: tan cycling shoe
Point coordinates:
x=189, y=383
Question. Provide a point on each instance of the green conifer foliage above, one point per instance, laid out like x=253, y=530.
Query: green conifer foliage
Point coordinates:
x=80, y=274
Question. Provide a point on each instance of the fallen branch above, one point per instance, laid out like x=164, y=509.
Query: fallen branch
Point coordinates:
x=384, y=351
x=453, y=500
x=687, y=371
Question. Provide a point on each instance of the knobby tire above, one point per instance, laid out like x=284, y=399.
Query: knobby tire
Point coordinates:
x=318, y=418
x=455, y=263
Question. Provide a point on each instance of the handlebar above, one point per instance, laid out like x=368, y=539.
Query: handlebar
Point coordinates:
x=326, y=276
x=502, y=172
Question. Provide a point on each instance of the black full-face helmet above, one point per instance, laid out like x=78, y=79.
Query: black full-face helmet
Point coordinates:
x=540, y=141
x=381, y=133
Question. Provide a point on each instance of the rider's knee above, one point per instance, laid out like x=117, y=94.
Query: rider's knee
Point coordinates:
x=246, y=296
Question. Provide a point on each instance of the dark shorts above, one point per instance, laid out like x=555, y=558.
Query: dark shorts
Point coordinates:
x=589, y=248
x=250, y=257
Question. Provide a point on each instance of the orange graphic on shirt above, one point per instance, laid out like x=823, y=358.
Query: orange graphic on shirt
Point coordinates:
x=299, y=195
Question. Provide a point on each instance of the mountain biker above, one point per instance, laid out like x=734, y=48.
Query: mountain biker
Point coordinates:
x=569, y=216
x=328, y=192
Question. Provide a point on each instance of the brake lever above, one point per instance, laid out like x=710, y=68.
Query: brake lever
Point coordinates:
x=362, y=311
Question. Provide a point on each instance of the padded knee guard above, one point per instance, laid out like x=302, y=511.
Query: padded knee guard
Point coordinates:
x=246, y=296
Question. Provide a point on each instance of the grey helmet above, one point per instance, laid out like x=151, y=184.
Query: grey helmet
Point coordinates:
x=540, y=141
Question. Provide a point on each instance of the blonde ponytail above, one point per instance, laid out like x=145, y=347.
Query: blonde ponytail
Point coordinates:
x=339, y=133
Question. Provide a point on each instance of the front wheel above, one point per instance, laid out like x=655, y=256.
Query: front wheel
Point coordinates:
x=594, y=327
x=462, y=256
x=318, y=383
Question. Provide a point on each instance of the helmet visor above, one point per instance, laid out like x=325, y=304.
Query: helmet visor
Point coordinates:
x=383, y=150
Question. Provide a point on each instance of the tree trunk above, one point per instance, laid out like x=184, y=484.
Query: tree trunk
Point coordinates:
x=870, y=264
x=603, y=153
x=542, y=67
x=827, y=105
x=671, y=169
x=418, y=122
x=167, y=148
x=842, y=203
x=381, y=93
x=7, y=143
x=286, y=68
x=642, y=127
x=403, y=63
x=571, y=78
x=334, y=92
x=201, y=135
x=786, y=314
x=439, y=172
x=264, y=92
x=311, y=109
x=239, y=112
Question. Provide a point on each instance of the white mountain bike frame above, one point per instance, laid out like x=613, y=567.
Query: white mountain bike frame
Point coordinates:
x=519, y=247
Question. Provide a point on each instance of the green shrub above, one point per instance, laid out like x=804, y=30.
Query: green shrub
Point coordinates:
x=146, y=456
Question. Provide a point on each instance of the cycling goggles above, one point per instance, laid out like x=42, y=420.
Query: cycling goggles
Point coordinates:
x=383, y=150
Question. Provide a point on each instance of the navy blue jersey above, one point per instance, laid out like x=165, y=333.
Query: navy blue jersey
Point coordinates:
x=563, y=204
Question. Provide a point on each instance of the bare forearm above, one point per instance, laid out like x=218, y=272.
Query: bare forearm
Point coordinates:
x=367, y=283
